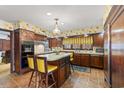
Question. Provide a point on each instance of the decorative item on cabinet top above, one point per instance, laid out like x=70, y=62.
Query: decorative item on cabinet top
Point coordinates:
x=24, y=25
x=89, y=30
x=6, y=25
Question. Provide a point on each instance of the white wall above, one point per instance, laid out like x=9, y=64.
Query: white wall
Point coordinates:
x=4, y=35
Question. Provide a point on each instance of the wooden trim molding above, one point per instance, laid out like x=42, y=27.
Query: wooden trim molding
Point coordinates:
x=5, y=30
x=30, y=31
x=113, y=15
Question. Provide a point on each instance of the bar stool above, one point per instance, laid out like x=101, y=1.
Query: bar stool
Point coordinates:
x=71, y=59
x=32, y=66
x=45, y=71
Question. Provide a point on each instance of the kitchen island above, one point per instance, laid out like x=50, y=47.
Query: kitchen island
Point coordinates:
x=61, y=60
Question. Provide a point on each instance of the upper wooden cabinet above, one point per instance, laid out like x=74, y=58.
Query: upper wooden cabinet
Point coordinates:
x=4, y=44
x=53, y=42
x=98, y=40
x=21, y=36
x=25, y=35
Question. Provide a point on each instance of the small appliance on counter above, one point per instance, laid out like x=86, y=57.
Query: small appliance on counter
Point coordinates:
x=98, y=49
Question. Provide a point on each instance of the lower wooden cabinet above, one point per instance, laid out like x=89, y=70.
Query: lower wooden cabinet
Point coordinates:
x=76, y=60
x=63, y=71
x=85, y=60
x=96, y=61
x=67, y=72
x=88, y=60
x=62, y=75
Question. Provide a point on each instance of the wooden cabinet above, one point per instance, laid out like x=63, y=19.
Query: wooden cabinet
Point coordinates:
x=85, y=60
x=88, y=60
x=98, y=40
x=117, y=50
x=115, y=21
x=81, y=59
x=62, y=75
x=1, y=45
x=96, y=61
x=4, y=44
x=67, y=70
x=76, y=60
x=21, y=37
x=63, y=71
x=26, y=35
x=53, y=42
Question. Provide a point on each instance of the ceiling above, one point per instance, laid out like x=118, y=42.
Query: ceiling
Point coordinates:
x=73, y=16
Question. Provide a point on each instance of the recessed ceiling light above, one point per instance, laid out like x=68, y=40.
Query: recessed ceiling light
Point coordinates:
x=48, y=14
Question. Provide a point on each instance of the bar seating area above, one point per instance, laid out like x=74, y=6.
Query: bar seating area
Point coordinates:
x=32, y=66
x=43, y=72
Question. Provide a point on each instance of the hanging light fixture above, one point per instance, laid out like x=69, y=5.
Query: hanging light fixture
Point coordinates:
x=56, y=31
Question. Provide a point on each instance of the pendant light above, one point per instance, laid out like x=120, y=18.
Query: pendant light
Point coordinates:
x=56, y=31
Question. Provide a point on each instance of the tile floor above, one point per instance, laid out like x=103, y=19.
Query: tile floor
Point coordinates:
x=95, y=79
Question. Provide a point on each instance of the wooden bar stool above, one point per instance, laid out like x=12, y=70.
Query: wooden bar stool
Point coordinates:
x=71, y=59
x=45, y=71
x=32, y=66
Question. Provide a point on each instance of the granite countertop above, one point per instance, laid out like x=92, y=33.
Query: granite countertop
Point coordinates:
x=91, y=53
x=85, y=52
x=54, y=56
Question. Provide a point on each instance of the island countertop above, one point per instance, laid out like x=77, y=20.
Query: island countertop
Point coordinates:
x=54, y=56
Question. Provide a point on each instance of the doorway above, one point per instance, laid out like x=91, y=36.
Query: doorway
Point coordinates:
x=5, y=53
